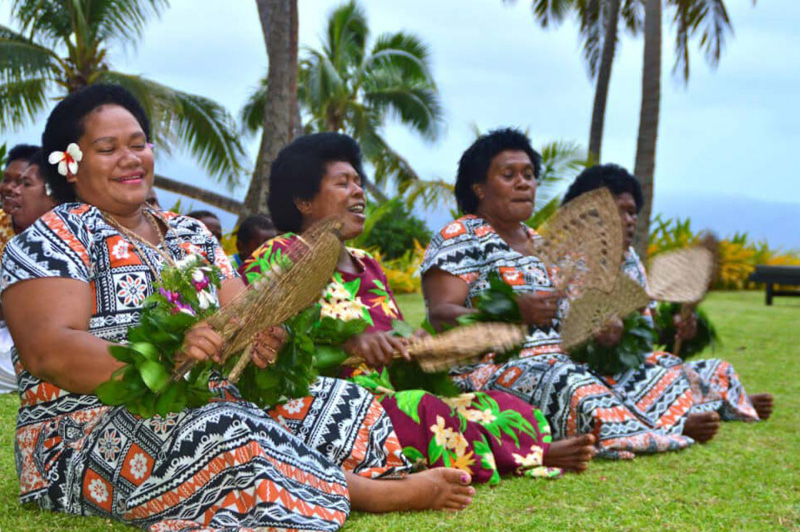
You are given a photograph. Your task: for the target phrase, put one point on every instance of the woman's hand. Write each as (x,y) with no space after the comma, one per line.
(267,344)
(539,309)
(376,349)
(611,335)
(201,343)
(685,329)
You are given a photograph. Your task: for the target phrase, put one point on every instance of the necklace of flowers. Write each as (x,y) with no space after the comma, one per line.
(136,240)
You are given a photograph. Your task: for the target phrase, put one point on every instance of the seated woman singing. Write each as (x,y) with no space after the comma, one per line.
(496,189)
(717,391)
(88,265)
(484,433)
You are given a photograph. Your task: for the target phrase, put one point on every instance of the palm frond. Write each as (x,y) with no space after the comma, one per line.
(22,101)
(401,51)
(251,116)
(122,20)
(416,105)
(46,21)
(548,12)
(346,38)
(710,19)
(21,58)
(201,125)
(561,161)
(430,193)
(388,163)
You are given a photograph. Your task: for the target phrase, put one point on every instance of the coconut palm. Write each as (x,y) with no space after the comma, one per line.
(63,45)
(350,86)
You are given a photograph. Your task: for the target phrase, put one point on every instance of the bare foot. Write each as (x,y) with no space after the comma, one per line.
(572,454)
(763,404)
(702,427)
(441,488)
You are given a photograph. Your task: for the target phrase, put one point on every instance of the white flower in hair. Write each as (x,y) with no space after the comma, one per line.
(67,161)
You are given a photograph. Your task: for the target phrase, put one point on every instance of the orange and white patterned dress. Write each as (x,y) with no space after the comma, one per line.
(226,466)
(641,411)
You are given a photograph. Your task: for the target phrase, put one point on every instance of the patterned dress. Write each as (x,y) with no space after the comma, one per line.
(484,433)
(227,466)
(715,384)
(641,411)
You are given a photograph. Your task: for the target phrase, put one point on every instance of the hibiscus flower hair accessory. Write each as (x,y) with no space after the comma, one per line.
(68,160)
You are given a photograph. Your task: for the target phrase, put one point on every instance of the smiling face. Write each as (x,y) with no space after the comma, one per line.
(29,200)
(509,191)
(628,213)
(340,193)
(11,180)
(116,172)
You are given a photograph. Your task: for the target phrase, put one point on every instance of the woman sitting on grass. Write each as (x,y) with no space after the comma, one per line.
(25,198)
(496,189)
(717,391)
(484,433)
(87,266)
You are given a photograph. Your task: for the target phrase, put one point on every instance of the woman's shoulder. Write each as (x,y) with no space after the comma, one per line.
(65,221)
(466,227)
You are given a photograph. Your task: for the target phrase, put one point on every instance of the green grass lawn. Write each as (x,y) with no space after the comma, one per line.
(748,478)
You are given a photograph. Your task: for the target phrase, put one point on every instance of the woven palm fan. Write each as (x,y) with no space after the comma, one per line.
(583,242)
(445,350)
(683,276)
(289,287)
(589,313)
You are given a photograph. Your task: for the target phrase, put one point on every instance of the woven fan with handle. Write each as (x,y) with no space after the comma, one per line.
(589,313)
(292,285)
(445,350)
(583,242)
(683,276)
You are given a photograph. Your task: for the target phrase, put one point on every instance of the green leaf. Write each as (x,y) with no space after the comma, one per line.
(402,328)
(414,456)
(408,402)
(328,356)
(435,451)
(154,375)
(173,399)
(147,349)
(124,353)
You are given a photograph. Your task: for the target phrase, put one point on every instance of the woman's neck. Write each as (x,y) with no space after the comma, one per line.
(346,262)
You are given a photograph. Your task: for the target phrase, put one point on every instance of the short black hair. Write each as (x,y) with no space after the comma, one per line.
(474,164)
(247,229)
(201,214)
(612,176)
(297,172)
(21,152)
(65,125)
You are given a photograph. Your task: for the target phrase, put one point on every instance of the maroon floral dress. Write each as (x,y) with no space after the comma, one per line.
(486,434)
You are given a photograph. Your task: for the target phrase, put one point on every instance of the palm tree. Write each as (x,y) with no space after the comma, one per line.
(706,19)
(346,87)
(63,45)
(274,111)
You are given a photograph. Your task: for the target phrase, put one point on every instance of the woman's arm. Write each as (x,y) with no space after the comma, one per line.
(445,297)
(49,321)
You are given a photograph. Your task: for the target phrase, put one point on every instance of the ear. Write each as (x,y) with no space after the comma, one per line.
(477,189)
(71,178)
(304,206)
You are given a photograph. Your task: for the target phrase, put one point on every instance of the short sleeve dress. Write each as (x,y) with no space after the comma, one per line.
(634,413)
(226,466)
(486,433)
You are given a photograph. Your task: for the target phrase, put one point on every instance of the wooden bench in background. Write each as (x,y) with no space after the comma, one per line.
(777,275)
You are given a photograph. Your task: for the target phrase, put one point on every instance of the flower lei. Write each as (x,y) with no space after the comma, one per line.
(67,160)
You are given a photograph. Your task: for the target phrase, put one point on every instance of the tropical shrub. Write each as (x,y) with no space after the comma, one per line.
(403,272)
(395,233)
(737,257)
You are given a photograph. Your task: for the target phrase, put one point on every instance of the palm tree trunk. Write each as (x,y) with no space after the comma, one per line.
(206,196)
(603,79)
(276,24)
(645,165)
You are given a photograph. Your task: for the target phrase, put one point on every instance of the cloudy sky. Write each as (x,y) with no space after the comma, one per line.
(727,140)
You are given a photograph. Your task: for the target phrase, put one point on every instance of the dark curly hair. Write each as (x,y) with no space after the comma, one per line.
(66,125)
(617,179)
(249,226)
(474,164)
(297,172)
(21,152)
